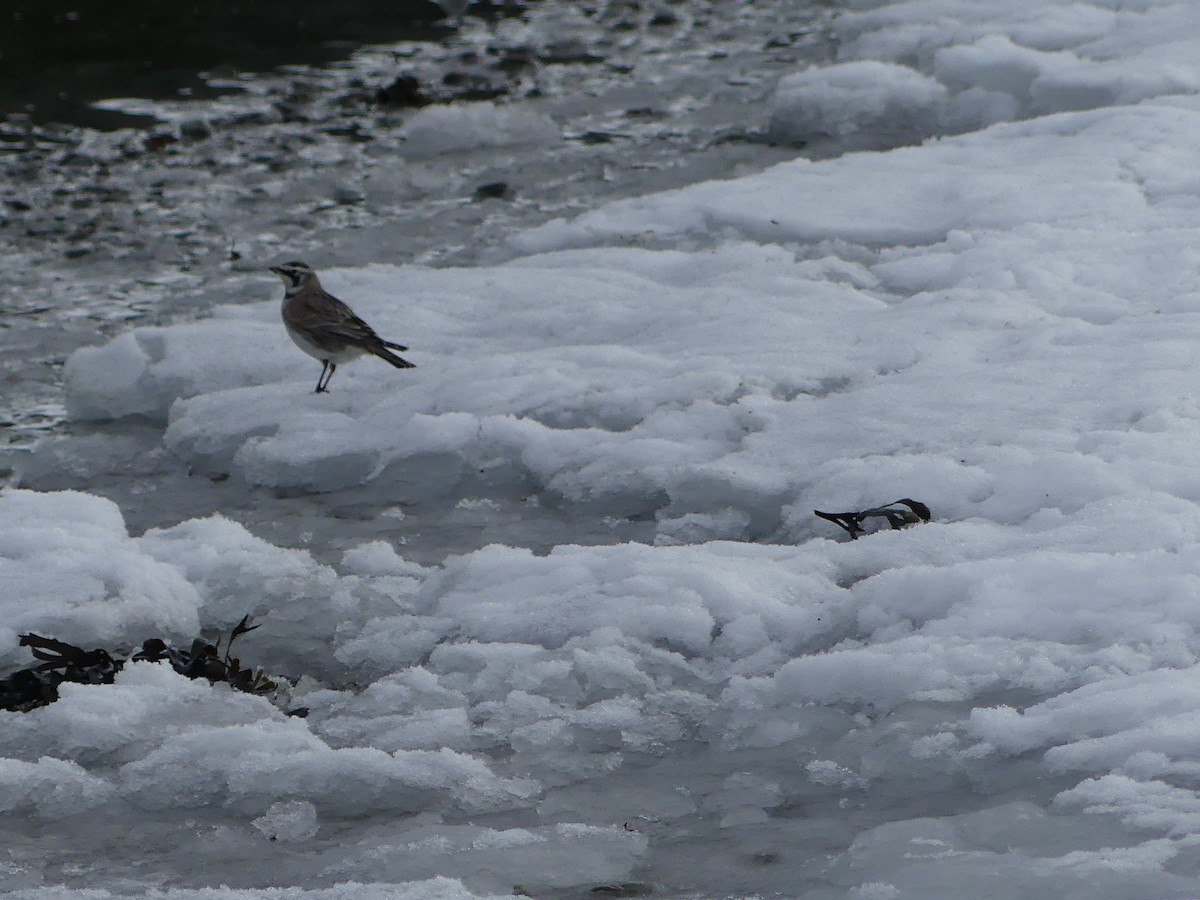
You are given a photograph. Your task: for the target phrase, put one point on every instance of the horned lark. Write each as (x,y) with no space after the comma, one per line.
(326,328)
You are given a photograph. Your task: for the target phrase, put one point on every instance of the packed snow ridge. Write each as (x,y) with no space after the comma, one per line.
(1005,702)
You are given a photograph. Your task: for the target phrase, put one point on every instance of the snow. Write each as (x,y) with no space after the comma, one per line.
(1001,322)
(68,566)
(142,371)
(862,105)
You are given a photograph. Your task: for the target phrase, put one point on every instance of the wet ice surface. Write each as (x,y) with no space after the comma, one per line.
(556,599)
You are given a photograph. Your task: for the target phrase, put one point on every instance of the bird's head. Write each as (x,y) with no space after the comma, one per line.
(294,274)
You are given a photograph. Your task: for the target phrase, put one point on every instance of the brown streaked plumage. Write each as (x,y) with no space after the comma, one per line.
(326,328)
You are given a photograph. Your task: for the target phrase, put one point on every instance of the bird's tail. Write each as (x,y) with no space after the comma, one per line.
(392,346)
(383,352)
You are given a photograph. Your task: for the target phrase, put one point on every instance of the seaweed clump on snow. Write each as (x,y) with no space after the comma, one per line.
(61,662)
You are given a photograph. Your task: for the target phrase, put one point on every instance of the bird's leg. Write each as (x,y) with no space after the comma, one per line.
(332,369)
(321,389)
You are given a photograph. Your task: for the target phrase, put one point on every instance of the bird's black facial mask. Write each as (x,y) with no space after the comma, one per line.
(287,272)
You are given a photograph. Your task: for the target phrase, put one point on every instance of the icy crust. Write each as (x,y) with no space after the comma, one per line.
(545,721)
(910,70)
(141,372)
(1000,703)
(68,566)
(157,742)
(194,773)
(976,355)
(71,571)
(1062,178)
(526,380)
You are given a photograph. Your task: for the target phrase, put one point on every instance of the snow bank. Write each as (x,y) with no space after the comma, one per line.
(1002,324)
(69,570)
(571,684)
(166,744)
(864,105)
(910,70)
(1069,177)
(141,372)
(959,329)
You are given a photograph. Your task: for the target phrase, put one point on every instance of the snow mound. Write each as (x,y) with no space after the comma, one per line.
(1064,174)
(862,105)
(70,571)
(140,372)
(161,746)
(907,71)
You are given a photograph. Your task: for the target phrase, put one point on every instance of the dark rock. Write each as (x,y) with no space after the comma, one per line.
(473,86)
(195,129)
(493,190)
(354,131)
(515,60)
(599,137)
(346,194)
(293,113)
(625,889)
(569,51)
(405,91)
(157,140)
(254,117)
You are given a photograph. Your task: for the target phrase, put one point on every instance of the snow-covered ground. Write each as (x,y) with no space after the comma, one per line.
(994,309)
(104,231)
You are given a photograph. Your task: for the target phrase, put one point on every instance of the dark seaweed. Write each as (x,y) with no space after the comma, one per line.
(62,662)
(852,522)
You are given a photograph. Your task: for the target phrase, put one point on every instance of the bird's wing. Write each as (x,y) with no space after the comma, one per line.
(330,324)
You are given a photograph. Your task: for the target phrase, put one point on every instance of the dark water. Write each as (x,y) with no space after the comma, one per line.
(58,56)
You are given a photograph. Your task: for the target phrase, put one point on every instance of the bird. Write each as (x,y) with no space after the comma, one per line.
(326,328)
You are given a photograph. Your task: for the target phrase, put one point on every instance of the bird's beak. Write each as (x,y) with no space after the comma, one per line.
(275,269)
